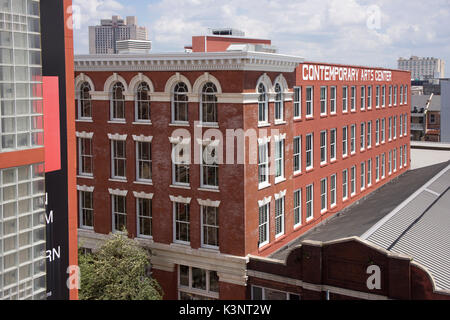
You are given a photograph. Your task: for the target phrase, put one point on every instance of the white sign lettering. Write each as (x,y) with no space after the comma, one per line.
(313,72)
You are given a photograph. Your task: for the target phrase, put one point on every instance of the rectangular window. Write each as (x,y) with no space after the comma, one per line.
(197,284)
(353,180)
(344,141)
(405,123)
(377,97)
(390,95)
(119,213)
(395,95)
(297,102)
(144,161)
(261,293)
(323,147)
(210,227)
(383,96)
(383,130)
(182,222)
(395,159)
(279,217)
(363,97)
(383,165)
(363,175)
(263,163)
(209,167)
(369,172)
(390,129)
(344,184)
(144,217)
(323,101)
(323,195)
(353,99)
(332,190)
(363,136)
(369,134)
(309,151)
(309,202)
(297,208)
(405,100)
(377,132)
(180,165)
(86,209)
(395,127)
(344,99)
(279,160)
(119,159)
(377,168)
(309,102)
(405,163)
(332,100)
(369,97)
(297,154)
(401,95)
(352,139)
(263,225)
(332,144)
(401,157)
(85,157)
(390,162)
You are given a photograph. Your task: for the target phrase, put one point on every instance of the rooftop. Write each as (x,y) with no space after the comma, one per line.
(414,220)
(420,101)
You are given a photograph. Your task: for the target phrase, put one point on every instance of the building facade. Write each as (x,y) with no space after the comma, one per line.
(422,68)
(206,158)
(103,38)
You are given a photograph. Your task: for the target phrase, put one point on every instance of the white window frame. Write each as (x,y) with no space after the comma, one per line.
(401,95)
(279,103)
(352,181)
(363,136)
(138,105)
(369,134)
(377,168)
(82,208)
(81,156)
(333,139)
(377,132)
(401,157)
(279,217)
(344,142)
(279,161)
(390,162)
(310,109)
(139,216)
(369,97)
(263,104)
(394,160)
(114,158)
(333,193)
(333,95)
(263,149)
(323,195)
(207,293)
(383,130)
(369,172)
(323,147)
(395,128)
(344,184)
(175,222)
(203,225)
(310,202)
(114,212)
(204,166)
(383,96)
(363,176)
(352,139)
(297,103)
(298,208)
(383,166)
(390,129)
(138,160)
(395,95)
(377,97)
(390,96)
(353,99)
(345,99)
(174,168)
(266,223)
(297,156)
(309,136)
(363,98)
(323,100)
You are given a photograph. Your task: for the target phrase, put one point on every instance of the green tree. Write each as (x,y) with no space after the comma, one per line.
(119,270)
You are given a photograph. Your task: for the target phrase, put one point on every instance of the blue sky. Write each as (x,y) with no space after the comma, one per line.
(372,33)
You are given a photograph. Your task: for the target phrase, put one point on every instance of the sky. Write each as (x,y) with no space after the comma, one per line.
(357,32)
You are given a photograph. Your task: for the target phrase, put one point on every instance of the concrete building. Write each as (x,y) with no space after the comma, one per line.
(445,111)
(426,118)
(422,68)
(320,138)
(104,37)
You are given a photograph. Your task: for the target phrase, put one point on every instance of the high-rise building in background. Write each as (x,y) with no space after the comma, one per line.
(109,37)
(423,68)
(34,179)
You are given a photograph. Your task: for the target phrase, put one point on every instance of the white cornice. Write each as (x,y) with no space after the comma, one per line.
(200,61)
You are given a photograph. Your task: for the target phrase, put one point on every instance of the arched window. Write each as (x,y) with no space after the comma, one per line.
(84,101)
(142,107)
(279,112)
(208,108)
(180,103)
(263,110)
(118,102)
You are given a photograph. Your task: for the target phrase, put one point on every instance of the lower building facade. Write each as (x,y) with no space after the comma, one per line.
(206,158)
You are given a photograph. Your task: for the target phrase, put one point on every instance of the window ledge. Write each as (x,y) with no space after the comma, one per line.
(84,120)
(180,187)
(279,180)
(309,117)
(263,124)
(147,183)
(309,219)
(117,121)
(297,226)
(297,119)
(208,189)
(280,122)
(309,169)
(85,177)
(179,124)
(181,244)
(207,125)
(298,173)
(209,249)
(262,186)
(148,123)
(118,180)
(323,211)
(144,238)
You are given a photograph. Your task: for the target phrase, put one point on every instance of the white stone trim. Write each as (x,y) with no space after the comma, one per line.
(85,188)
(81,78)
(180,199)
(177,77)
(208,203)
(142,138)
(281,80)
(179,140)
(264,140)
(137,79)
(280,194)
(265,201)
(117,136)
(113,79)
(118,192)
(266,82)
(143,195)
(204,78)
(280,137)
(84,134)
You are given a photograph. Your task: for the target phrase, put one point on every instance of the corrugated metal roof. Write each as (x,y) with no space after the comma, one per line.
(420,228)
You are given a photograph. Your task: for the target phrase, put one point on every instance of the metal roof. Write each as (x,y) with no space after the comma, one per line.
(420,228)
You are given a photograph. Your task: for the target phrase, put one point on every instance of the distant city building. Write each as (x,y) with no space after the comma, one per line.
(445,110)
(425,117)
(423,68)
(104,37)
(133,46)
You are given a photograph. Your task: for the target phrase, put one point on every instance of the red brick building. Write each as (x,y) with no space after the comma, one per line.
(320,137)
